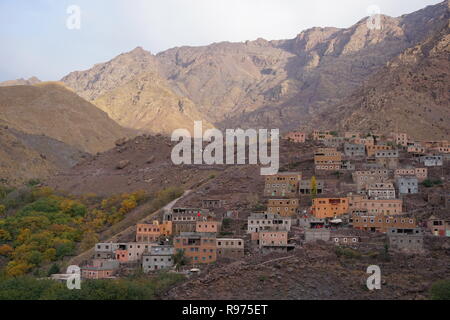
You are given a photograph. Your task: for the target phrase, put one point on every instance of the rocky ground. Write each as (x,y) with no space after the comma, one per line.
(316,272)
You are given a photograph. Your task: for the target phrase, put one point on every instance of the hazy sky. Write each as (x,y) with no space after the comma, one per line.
(35,41)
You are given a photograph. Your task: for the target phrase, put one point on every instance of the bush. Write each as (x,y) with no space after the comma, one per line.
(428,183)
(440,290)
(53,270)
(139,288)
(347,253)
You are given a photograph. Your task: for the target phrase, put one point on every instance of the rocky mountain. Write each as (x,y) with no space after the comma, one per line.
(411,94)
(26,156)
(52,110)
(131,91)
(20,82)
(147,103)
(284,83)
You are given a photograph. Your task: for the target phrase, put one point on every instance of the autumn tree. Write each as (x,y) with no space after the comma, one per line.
(313,187)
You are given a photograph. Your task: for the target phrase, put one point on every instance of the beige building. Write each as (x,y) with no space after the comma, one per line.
(284,184)
(387,159)
(372,149)
(378,207)
(328,159)
(381,190)
(283,207)
(382,223)
(230,248)
(366,177)
(420,173)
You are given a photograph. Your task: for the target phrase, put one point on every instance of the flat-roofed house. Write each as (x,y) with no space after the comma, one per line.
(283,184)
(283,207)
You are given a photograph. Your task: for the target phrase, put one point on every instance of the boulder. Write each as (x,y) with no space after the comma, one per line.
(123,164)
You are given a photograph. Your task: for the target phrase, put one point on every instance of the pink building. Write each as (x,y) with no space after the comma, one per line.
(273,238)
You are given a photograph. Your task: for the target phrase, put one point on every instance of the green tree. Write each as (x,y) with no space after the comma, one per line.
(53,269)
(179,259)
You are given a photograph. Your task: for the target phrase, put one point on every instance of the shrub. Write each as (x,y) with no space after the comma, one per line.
(440,290)
(347,253)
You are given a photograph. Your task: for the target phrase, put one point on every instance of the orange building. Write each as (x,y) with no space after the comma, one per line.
(208,226)
(382,223)
(122,255)
(198,247)
(283,207)
(329,207)
(151,232)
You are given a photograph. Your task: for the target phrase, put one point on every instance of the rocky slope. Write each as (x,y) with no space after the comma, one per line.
(141,163)
(25,156)
(260,83)
(147,103)
(410,94)
(51,109)
(315,272)
(131,91)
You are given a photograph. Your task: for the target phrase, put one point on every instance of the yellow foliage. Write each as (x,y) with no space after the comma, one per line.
(16,269)
(128,204)
(42,192)
(5,235)
(6,250)
(67,204)
(50,254)
(24,235)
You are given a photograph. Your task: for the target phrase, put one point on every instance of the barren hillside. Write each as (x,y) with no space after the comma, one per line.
(51,109)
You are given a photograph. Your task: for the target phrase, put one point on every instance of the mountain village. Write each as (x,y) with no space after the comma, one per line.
(374,205)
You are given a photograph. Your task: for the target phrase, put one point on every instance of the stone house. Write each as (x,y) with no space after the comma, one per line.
(432,161)
(387,159)
(257,222)
(230,248)
(354,150)
(305,186)
(408,240)
(381,190)
(158,258)
(407,185)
